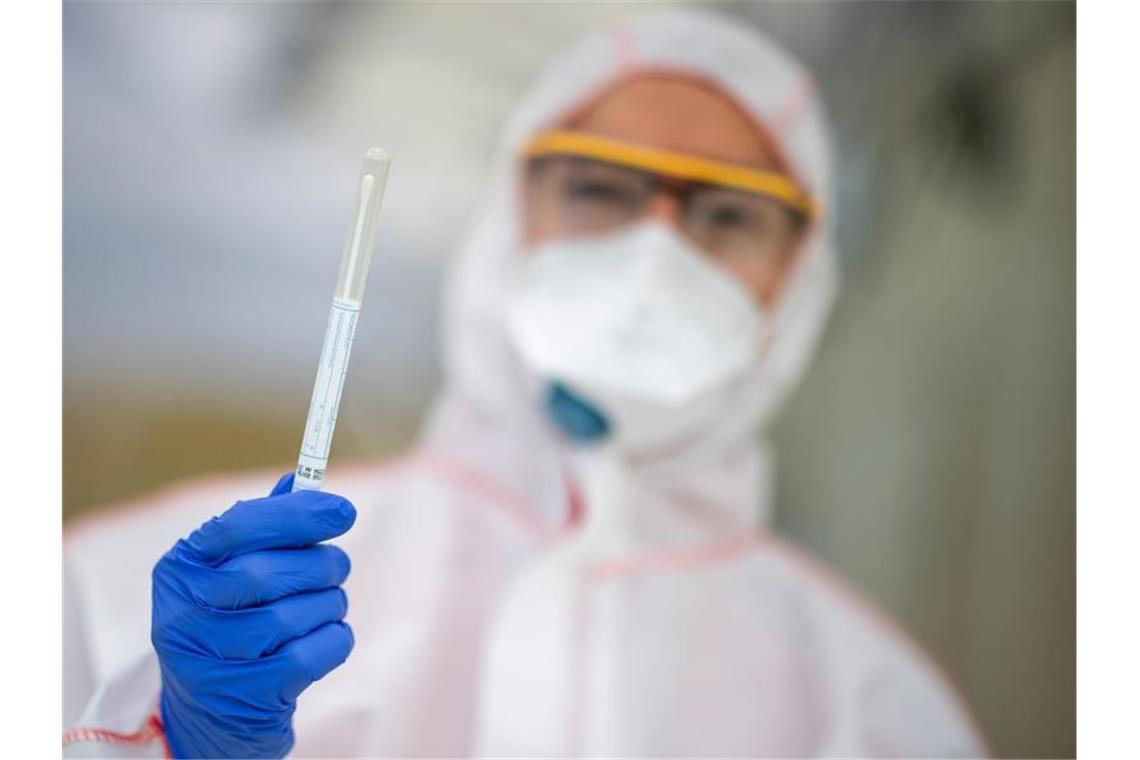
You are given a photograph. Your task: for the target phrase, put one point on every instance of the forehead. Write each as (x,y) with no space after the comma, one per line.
(678,114)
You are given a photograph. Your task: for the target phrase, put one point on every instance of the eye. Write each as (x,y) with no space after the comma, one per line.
(599,195)
(730,211)
(728,217)
(594,190)
(731,216)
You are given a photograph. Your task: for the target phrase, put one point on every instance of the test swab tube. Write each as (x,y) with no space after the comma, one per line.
(349,293)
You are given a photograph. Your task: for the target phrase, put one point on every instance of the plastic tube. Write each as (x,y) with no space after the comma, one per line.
(333,367)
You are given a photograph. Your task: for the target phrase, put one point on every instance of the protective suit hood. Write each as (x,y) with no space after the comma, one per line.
(486,394)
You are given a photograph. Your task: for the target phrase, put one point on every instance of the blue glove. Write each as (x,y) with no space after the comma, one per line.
(247,613)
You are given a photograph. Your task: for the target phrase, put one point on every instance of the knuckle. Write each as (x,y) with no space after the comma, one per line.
(299,660)
(208,533)
(167,568)
(279,616)
(226,588)
(256,570)
(160,569)
(236,509)
(216,526)
(223,528)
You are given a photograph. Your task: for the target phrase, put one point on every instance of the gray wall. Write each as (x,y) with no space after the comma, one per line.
(931,454)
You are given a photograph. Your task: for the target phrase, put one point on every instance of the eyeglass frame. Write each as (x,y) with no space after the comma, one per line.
(676,165)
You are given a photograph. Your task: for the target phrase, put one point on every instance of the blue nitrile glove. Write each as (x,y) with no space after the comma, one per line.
(246,614)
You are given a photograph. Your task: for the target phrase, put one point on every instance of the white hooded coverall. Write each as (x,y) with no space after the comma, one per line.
(509,596)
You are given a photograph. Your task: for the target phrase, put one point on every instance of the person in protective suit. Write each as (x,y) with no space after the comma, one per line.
(574,559)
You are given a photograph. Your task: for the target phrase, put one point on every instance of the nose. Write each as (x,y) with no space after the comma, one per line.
(664,206)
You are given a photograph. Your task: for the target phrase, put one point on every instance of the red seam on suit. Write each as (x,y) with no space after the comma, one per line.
(837,587)
(625,45)
(794,105)
(429,460)
(473,482)
(172,495)
(674,559)
(148,733)
(806,566)
(576,507)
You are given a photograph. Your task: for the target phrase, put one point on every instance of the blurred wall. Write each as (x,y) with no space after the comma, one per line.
(931,454)
(209,158)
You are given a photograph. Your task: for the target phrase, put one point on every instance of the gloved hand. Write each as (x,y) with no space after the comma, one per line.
(246,614)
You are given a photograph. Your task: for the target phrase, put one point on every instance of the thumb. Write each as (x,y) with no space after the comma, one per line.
(284,485)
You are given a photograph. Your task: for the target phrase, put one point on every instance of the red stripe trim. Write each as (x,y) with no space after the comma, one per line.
(150,732)
(793,108)
(684,559)
(675,559)
(474,482)
(832,584)
(430,460)
(576,512)
(174,494)
(626,46)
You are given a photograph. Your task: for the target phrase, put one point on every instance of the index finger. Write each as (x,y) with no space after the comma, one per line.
(285,521)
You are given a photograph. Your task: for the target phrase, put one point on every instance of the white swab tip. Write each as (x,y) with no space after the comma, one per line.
(377,154)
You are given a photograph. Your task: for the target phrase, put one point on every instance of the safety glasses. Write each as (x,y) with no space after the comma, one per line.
(776,186)
(588,184)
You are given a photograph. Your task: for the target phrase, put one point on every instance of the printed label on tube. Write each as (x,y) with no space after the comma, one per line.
(326,396)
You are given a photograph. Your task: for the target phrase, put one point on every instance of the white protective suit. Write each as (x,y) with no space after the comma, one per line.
(510,596)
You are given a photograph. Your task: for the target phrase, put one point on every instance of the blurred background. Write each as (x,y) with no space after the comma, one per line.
(210,155)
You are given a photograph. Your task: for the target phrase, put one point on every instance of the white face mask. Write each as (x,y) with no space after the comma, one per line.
(639,323)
